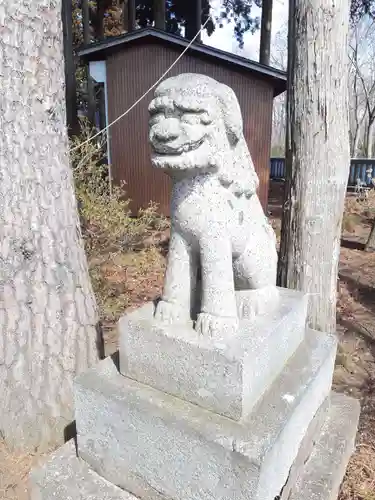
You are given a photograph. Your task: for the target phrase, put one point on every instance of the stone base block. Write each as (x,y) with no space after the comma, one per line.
(227,377)
(305,449)
(158,446)
(67,477)
(323,473)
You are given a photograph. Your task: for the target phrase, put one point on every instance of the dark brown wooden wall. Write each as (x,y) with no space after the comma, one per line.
(130,73)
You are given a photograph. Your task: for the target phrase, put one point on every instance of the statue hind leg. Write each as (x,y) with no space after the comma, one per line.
(255,268)
(255,271)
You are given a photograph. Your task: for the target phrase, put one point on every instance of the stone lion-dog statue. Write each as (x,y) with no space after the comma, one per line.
(217,221)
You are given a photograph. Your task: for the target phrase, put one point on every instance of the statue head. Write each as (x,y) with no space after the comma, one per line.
(196,127)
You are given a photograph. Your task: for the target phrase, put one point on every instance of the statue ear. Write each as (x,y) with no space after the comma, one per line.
(231,113)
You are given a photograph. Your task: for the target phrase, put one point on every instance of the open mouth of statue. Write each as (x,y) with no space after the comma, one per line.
(165,150)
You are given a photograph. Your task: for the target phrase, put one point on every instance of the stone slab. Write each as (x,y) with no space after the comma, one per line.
(156,445)
(227,377)
(305,449)
(325,469)
(67,477)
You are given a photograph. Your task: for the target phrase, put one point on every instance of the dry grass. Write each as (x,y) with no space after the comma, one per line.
(359,483)
(124,281)
(14,471)
(124,252)
(364,207)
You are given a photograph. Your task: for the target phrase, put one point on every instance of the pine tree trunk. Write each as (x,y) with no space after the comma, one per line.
(159,14)
(318,155)
(100,11)
(131,15)
(125,16)
(48,313)
(265,32)
(193,23)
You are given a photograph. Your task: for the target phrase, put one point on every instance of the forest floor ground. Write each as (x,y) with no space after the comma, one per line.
(124,280)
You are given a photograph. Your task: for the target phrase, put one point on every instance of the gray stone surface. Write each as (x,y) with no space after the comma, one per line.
(306,447)
(67,477)
(326,466)
(227,377)
(155,445)
(218,223)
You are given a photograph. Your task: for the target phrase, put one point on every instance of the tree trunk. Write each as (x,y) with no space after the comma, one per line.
(159,14)
(125,22)
(370,137)
(48,314)
(317,154)
(91,104)
(100,11)
(86,22)
(70,70)
(131,15)
(193,24)
(355,141)
(265,32)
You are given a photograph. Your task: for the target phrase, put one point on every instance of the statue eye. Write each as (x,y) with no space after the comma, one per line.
(205,119)
(190,118)
(156,119)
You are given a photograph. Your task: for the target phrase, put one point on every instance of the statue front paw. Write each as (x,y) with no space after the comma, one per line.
(216,326)
(168,312)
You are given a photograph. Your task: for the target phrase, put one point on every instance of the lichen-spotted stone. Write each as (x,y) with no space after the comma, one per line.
(217,220)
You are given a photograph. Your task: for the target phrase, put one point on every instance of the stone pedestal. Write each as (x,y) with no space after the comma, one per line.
(186,417)
(226,376)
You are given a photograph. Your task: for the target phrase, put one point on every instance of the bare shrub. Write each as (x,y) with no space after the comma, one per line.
(104,209)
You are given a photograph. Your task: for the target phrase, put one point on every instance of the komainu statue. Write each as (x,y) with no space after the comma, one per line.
(218,224)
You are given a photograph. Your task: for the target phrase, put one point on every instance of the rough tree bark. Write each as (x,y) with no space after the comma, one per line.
(48,313)
(265,32)
(317,154)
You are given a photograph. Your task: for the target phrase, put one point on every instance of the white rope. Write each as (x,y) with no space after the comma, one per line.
(144,95)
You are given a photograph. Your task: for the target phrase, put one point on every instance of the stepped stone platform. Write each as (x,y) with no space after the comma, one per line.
(290,439)
(321,475)
(251,457)
(67,477)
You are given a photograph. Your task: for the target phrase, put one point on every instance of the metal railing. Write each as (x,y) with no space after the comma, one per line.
(360,168)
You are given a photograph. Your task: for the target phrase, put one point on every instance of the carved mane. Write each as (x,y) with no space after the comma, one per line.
(239,171)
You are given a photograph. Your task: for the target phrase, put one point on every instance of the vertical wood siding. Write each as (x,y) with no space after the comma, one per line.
(130,73)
